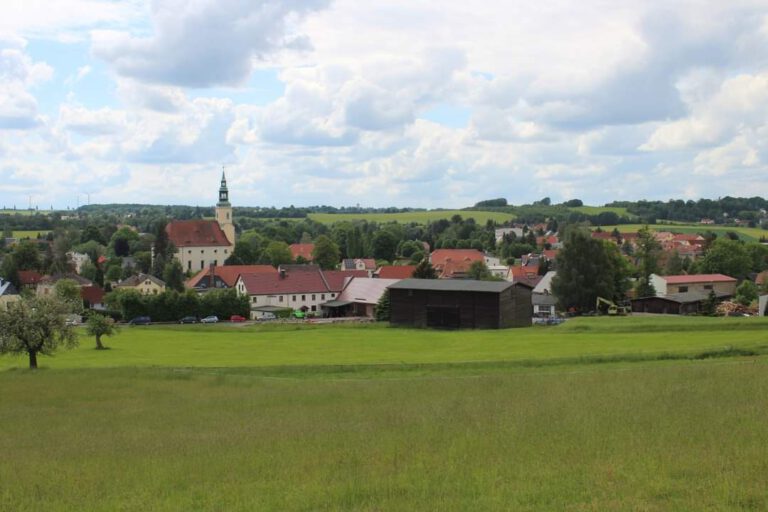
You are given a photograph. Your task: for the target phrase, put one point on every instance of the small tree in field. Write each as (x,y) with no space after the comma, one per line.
(36,325)
(100,325)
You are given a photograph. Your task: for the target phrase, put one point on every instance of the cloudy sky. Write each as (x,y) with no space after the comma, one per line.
(402,102)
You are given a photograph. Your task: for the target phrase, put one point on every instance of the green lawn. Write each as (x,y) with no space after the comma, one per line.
(304,344)
(748,234)
(417,217)
(596,414)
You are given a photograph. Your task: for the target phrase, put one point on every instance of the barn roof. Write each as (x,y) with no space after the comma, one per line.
(455,285)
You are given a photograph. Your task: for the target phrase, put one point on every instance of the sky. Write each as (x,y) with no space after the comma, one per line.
(396,103)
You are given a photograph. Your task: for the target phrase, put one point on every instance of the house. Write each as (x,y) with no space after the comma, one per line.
(29,279)
(297,287)
(46,285)
(544,302)
(93,297)
(8,294)
(458,304)
(368,264)
(359,297)
(224,276)
(336,280)
(501,232)
(200,243)
(395,271)
(143,283)
(303,251)
(78,260)
(761,279)
(722,285)
(454,263)
(528,274)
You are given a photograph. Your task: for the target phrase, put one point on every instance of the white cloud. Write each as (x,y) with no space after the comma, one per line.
(18,75)
(205,42)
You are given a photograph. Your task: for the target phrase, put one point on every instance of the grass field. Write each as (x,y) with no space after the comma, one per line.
(596,414)
(29,234)
(24,212)
(594,210)
(417,217)
(748,234)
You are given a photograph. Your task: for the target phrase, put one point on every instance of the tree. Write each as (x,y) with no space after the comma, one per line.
(746,293)
(727,257)
(479,270)
(35,325)
(68,292)
(424,270)
(648,249)
(277,253)
(326,253)
(674,264)
(588,268)
(243,254)
(383,308)
(26,256)
(384,245)
(100,325)
(173,275)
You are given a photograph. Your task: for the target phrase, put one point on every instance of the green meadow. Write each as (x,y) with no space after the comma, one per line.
(594,210)
(636,413)
(421,217)
(29,234)
(747,234)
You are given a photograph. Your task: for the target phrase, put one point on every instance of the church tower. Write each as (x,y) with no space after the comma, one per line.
(224,211)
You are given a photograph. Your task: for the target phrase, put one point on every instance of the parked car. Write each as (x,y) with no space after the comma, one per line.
(188,320)
(237,318)
(268,316)
(209,319)
(140,320)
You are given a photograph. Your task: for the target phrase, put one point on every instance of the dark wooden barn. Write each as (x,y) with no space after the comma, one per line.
(460,304)
(688,303)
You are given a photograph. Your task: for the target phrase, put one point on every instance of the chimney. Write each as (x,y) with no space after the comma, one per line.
(282,273)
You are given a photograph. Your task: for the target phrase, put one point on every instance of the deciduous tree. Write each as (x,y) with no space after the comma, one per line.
(326,253)
(100,325)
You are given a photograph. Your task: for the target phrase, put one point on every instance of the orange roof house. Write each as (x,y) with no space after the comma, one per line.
(303,250)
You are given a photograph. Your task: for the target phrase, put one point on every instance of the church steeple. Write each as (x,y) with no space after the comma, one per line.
(223,192)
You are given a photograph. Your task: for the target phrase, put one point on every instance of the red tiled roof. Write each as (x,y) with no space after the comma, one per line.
(685,237)
(196,233)
(550,254)
(441,256)
(296,282)
(337,278)
(303,250)
(602,235)
(229,273)
(524,272)
(93,294)
(396,271)
(699,278)
(29,277)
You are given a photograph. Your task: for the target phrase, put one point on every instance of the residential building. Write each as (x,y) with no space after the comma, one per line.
(297,287)
(454,263)
(220,276)
(29,279)
(395,271)
(8,294)
(77,260)
(456,304)
(145,284)
(367,264)
(200,243)
(46,285)
(303,251)
(722,285)
(359,297)
(500,232)
(93,297)
(544,302)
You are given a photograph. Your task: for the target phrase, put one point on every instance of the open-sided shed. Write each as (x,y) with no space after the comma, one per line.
(460,304)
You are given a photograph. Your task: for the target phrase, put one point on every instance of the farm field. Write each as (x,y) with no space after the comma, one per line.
(24,212)
(281,417)
(747,234)
(418,217)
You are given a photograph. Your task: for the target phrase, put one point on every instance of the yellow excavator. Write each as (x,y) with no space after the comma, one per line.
(612,308)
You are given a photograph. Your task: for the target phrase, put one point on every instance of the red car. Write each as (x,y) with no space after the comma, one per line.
(236,318)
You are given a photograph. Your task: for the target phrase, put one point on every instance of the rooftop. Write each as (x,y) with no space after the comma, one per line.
(455,285)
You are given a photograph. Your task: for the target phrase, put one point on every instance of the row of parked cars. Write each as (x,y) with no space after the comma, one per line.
(213,319)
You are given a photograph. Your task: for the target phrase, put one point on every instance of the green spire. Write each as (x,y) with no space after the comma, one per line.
(223,192)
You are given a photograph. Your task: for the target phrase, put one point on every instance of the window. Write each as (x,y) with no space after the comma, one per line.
(322,297)
(202,251)
(189,265)
(202,264)
(313,298)
(303,297)
(708,287)
(225,251)
(682,289)
(215,251)
(189,251)
(294,298)
(314,308)
(254,300)
(281,298)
